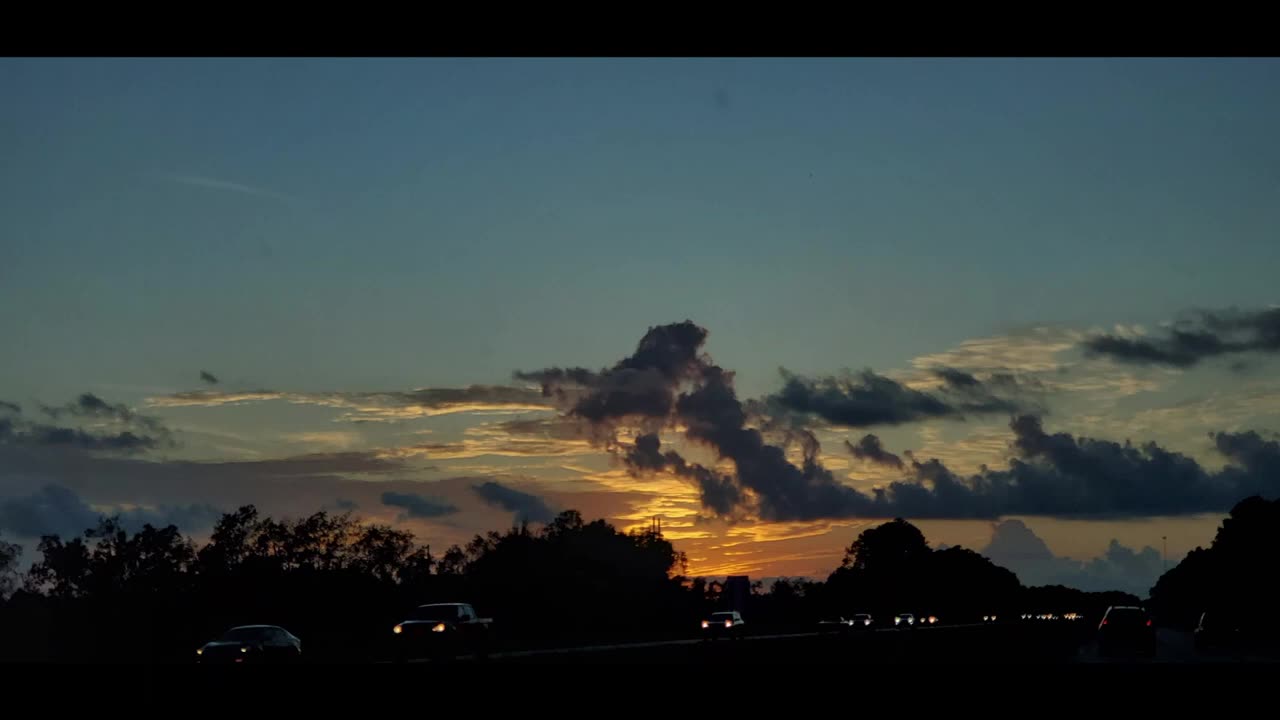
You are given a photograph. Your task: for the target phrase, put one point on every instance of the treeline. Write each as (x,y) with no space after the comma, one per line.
(1237,575)
(341,584)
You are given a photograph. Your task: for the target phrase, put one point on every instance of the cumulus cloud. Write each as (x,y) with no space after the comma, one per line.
(378,406)
(57,510)
(208,377)
(526,506)
(1196,337)
(870,449)
(1014,546)
(418,506)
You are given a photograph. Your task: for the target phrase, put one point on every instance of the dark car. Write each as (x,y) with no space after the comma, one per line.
(1126,629)
(440,631)
(1219,630)
(728,623)
(252,644)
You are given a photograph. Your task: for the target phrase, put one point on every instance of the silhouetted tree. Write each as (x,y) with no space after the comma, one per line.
(9,555)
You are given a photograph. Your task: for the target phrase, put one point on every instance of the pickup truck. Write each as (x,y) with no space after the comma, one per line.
(441,631)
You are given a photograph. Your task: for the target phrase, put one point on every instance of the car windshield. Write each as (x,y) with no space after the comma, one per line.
(247,634)
(435,612)
(1127,616)
(722,616)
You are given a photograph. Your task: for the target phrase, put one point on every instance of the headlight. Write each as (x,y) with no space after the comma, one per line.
(728,623)
(397,629)
(897,621)
(438,628)
(993,618)
(866,622)
(705,624)
(244,649)
(199,651)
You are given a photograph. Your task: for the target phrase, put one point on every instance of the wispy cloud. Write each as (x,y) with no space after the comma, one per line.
(216,184)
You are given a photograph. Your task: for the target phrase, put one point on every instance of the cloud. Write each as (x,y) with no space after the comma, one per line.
(6,406)
(870,449)
(216,184)
(208,377)
(669,382)
(1064,476)
(1198,336)
(57,510)
(132,432)
(344,504)
(417,506)
(378,406)
(866,398)
(527,507)
(1014,546)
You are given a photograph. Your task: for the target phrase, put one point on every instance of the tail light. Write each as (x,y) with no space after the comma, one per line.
(1104,621)
(1148,623)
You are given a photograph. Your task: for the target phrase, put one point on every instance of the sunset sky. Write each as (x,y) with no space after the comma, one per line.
(336,284)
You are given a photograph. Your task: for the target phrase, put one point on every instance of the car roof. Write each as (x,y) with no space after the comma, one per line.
(441,604)
(257,627)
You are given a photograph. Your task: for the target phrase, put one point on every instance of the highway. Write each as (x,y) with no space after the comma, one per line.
(1011,643)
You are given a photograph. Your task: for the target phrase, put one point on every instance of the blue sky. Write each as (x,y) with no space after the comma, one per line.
(386,224)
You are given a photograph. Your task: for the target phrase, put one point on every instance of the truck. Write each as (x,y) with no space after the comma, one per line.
(441,631)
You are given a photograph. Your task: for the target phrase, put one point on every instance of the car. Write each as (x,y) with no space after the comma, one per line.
(904,620)
(252,644)
(842,624)
(1126,628)
(440,631)
(727,623)
(1219,630)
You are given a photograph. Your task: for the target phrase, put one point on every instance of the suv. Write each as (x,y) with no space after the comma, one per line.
(1126,627)
(727,622)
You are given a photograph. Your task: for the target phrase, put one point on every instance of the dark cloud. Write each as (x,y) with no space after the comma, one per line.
(57,510)
(1053,474)
(668,381)
(1014,546)
(865,399)
(344,504)
(417,506)
(719,493)
(208,377)
(642,385)
(43,435)
(1061,475)
(527,507)
(7,406)
(132,432)
(869,448)
(1198,336)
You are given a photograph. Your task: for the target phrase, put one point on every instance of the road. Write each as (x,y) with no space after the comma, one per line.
(1000,644)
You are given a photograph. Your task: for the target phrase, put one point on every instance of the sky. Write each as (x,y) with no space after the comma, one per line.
(308,283)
